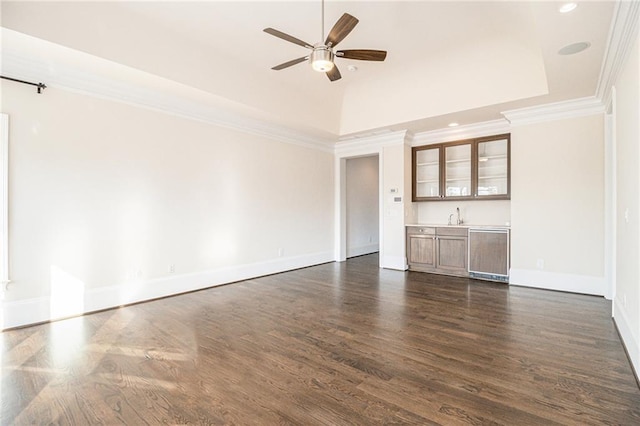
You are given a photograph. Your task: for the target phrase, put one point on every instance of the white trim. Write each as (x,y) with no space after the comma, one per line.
(555,111)
(624,25)
(398,263)
(381,247)
(4,203)
(207,108)
(359,148)
(485,128)
(362,250)
(370,144)
(30,311)
(340,212)
(629,339)
(572,283)
(610,200)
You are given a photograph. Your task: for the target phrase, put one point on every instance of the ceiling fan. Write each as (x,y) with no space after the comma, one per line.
(322,55)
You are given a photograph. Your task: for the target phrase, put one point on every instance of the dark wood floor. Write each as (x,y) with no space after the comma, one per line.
(334,344)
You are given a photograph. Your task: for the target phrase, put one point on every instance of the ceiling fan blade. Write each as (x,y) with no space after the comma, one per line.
(290,63)
(363,54)
(334,73)
(341,29)
(288,38)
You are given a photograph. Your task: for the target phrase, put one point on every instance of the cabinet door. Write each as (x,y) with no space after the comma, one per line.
(452,253)
(422,250)
(457,170)
(426,171)
(493,168)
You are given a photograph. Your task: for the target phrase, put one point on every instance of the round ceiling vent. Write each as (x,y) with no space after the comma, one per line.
(574,48)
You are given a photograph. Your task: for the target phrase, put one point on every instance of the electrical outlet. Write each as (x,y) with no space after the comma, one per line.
(172,268)
(540,263)
(139,273)
(280,252)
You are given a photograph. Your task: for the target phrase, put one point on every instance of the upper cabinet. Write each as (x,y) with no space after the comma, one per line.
(473,169)
(426,173)
(494,157)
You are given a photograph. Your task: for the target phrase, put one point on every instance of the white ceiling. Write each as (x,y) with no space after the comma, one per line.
(448,61)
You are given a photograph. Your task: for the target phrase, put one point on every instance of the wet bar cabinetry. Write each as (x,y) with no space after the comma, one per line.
(480,252)
(472,169)
(441,250)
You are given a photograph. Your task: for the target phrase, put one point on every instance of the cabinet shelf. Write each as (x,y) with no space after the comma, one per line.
(430,163)
(483,158)
(428,181)
(464,160)
(493,177)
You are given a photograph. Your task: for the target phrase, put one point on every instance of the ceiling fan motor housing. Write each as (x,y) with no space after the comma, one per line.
(321,58)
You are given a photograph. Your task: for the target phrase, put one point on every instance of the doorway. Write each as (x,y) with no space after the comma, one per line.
(362,205)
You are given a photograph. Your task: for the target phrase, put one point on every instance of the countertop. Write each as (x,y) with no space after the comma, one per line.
(464,225)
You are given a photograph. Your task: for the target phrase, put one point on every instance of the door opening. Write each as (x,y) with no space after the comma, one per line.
(362,205)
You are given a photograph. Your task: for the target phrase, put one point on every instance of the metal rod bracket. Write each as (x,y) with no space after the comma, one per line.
(39,86)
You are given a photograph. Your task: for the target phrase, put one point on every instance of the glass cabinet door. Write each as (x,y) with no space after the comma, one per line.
(458,171)
(470,169)
(427,170)
(493,168)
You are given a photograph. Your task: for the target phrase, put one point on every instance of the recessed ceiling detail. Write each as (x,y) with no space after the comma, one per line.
(432,77)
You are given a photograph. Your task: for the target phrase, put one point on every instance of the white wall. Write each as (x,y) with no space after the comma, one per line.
(627,268)
(363,205)
(393,225)
(105,197)
(497,212)
(557,205)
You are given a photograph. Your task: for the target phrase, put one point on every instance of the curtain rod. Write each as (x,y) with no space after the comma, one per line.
(40,86)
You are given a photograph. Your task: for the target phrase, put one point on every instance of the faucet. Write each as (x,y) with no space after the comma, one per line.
(459,220)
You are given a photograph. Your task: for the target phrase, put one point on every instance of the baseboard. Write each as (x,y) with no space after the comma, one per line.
(629,340)
(572,283)
(25,312)
(362,250)
(394,262)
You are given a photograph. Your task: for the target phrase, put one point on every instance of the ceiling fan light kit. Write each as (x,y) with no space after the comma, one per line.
(322,56)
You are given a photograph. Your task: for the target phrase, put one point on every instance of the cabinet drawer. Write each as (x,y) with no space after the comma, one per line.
(455,232)
(420,230)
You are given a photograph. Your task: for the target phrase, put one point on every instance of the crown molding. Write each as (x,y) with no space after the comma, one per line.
(204,107)
(370,144)
(475,130)
(624,27)
(555,111)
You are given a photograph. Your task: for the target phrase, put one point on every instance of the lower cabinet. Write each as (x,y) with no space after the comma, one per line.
(441,250)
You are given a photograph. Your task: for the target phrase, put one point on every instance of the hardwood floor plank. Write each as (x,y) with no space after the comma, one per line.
(341,344)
